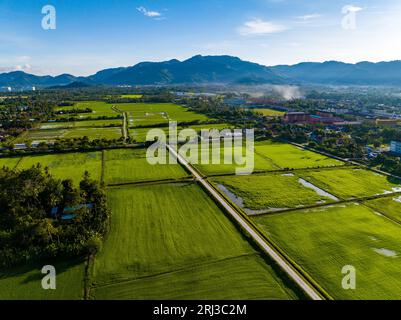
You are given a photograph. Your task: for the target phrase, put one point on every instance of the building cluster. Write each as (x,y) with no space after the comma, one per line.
(321,117)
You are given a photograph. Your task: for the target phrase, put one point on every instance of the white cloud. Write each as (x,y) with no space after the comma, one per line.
(25,67)
(148,13)
(258,27)
(309,16)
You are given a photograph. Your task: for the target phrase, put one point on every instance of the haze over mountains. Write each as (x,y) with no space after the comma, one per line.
(226,70)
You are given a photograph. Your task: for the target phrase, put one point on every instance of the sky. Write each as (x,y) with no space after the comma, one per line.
(91,35)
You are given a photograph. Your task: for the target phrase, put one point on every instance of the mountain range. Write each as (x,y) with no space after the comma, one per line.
(228,70)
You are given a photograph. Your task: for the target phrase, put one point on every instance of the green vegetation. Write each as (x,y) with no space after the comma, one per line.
(131,165)
(131,96)
(174,232)
(34,223)
(388,206)
(86,123)
(67,165)
(24,283)
(269,112)
(223,167)
(150,114)
(99,109)
(270,191)
(9,162)
(324,240)
(289,156)
(350,183)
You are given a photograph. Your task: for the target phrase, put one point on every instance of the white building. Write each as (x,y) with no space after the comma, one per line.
(395,147)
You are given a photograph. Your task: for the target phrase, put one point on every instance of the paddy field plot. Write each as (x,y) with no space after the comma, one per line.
(9,162)
(67,165)
(131,165)
(99,109)
(270,112)
(347,183)
(322,241)
(217,164)
(146,114)
(25,283)
(288,156)
(84,123)
(108,133)
(171,241)
(131,96)
(268,191)
(389,206)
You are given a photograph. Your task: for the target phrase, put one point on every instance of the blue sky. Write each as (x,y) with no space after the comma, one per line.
(91,35)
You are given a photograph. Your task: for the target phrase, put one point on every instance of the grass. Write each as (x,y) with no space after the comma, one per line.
(85,123)
(323,241)
(70,133)
(171,241)
(270,191)
(350,183)
(99,109)
(9,162)
(288,156)
(94,133)
(131,165)
(131,96)
(67,165)
(389,206)
(146,114)
(223,167)
(24,283)
(270,112)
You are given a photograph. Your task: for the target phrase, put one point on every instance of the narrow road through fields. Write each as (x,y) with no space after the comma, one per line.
(306,287)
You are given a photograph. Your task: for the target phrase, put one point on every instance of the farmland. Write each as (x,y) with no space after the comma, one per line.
(349,183)
(9,162)
(91,132)
(270,191)
(217,165)
(85,123)
(175,233)
(146,114)
(130,165)
(389,206)
(292,157)
(67,165)
(24,283)
(336,236)
(270,112)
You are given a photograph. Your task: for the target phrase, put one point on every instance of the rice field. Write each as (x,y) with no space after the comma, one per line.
(322,241)
(347,183)
(287,156)
(147,114)
(92,133)
(270,112)
(67,165)
(268,191)
(215,161)
(84,123)
(388,206)
(172,242)
(99,109)
(25,283)
(131,165)
(9,162)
